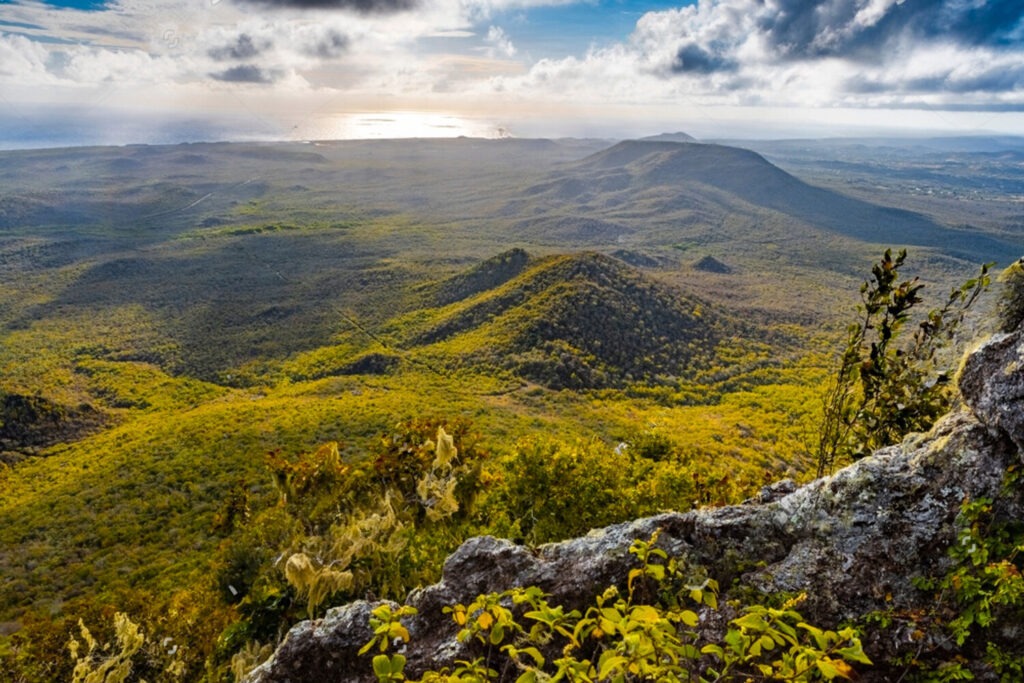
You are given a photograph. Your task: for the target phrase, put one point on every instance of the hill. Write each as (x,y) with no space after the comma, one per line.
(578,321)
(492,273)
(663,171)
(678,136)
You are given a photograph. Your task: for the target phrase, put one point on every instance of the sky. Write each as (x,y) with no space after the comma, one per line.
(124,71)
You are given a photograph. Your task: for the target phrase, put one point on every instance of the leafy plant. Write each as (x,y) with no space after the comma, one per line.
(622,637)
(387,630)
(106,663)
(982,591)
(884,389)
(315,581)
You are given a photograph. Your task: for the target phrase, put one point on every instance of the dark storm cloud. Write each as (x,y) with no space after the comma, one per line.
(242,48)
(994,23)
(799,29)
(859,30)
(996,80)
(991,82)
(243,73)
(361,6)
(692,58)
(329,46)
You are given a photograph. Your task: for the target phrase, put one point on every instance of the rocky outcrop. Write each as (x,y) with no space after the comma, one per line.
(852,541)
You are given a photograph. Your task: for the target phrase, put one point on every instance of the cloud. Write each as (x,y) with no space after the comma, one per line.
(692,58)
(718,34)
(22,59)
(500,45)
(244,73)
(324,43)
(242,48)
(953,55)
(360,6)
(869,54)
(945,70)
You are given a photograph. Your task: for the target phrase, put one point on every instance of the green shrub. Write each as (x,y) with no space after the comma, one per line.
(519,635)
(884,389)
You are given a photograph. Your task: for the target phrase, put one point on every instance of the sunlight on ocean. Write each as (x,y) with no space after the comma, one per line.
(398,124)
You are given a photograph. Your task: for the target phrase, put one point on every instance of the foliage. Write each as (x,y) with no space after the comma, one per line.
(519,635)
(315,582)
(589,484)
(110,663)
(980,595)
(294,479)
(249,657)
(203,339)
(882,389)
(380,521)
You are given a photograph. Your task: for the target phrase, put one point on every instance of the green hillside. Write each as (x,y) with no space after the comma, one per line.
(581,322)
(184,328)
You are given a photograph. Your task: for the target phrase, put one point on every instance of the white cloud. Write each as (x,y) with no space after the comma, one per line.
(745,52)
(500,44)
(448,53)
(22,59)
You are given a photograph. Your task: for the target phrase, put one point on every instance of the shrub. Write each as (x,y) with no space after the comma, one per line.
(519,635)
(883,389)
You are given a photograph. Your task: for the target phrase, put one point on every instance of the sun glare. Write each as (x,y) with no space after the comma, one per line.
(403,124)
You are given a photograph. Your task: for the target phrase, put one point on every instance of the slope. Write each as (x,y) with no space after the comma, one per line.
(658,181)
(577,321)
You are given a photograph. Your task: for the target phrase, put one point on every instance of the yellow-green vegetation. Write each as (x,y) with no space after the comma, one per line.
(1011,300)
(978,602)
(134,517)
(91,666)
(177,357)
(647,633)
(216,515)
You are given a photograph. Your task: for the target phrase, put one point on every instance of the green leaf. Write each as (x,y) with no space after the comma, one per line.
(645,614)
(820,637)
(689,618)
(854,653)
(751,622)
(398,631)
(712,649)
(610,662)
(534,653)
(833,668)
(382,667)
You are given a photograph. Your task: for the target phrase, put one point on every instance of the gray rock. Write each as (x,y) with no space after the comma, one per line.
(323,650)
(851,541)
(992,384)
